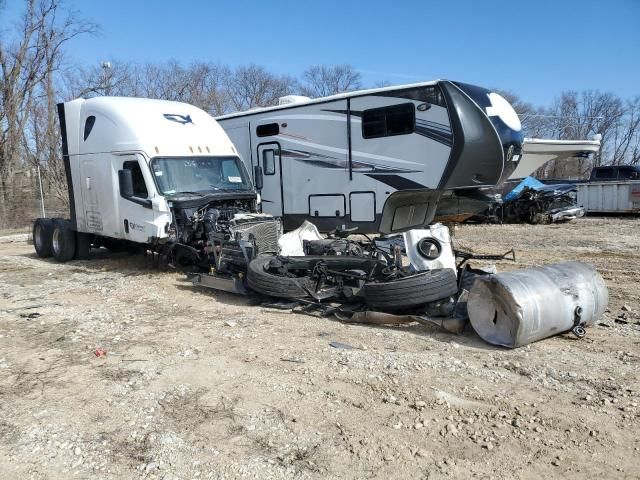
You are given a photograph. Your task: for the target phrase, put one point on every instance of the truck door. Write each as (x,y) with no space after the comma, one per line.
(136,214)
(268,157)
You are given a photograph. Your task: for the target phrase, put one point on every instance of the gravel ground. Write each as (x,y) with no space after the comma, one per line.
(199,384)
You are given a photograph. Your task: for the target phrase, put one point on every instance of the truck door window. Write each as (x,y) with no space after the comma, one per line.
(627,173)
(269,161)
(607,173)
(139,187)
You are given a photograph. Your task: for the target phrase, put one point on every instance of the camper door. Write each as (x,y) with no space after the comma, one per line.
(268,158)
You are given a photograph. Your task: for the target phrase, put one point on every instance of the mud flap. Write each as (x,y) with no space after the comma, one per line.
(226,283)
(409,209)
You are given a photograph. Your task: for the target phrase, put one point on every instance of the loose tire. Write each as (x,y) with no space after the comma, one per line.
(266,283)
(63,240)
(411,291)
(273,285)
(42,236)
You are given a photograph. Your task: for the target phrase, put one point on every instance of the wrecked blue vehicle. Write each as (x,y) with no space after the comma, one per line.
(531,201)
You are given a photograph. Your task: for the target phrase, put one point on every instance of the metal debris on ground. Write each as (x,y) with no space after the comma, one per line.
(414,277)
(340,345)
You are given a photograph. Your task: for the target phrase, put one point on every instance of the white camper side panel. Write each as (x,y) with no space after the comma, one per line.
(238,132)
(324,150)
(415,159)
(314,157)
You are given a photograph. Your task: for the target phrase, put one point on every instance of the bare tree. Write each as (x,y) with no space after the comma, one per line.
(325,80)
(30,55)
(202,84)
(624,141)
(253,86)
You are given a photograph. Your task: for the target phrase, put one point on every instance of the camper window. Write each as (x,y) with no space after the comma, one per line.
(139,187)
(269,161)
(388,121)
(268,130)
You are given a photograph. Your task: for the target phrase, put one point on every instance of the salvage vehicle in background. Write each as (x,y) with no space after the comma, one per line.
(534,202)
(611,189)
(613,173)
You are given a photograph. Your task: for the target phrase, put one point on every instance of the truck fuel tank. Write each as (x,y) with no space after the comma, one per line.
(513,309)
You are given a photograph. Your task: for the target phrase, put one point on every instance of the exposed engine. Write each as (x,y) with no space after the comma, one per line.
(222,235)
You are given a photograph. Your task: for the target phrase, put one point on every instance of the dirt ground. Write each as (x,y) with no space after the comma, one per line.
(199,384)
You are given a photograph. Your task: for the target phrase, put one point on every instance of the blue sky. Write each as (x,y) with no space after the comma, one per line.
(535,49)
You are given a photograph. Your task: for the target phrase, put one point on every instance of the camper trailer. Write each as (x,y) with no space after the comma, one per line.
(337,160)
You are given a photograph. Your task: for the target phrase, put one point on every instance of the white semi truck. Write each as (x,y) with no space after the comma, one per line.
(157,175)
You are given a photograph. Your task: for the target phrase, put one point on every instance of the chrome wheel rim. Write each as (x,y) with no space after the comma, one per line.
(56,240)
(37,237)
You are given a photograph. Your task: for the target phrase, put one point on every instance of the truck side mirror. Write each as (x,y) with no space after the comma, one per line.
(125,182)
(257,177)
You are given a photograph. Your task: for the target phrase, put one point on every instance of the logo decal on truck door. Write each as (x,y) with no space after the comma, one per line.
(183,119)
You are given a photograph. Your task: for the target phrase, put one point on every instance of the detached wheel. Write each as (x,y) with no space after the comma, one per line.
(63,240)
(262,281)
(42,237)
(411,291)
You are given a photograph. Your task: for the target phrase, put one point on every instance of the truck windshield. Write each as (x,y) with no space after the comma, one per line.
(199,174)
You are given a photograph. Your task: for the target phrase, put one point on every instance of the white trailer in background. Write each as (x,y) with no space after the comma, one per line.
(610,197)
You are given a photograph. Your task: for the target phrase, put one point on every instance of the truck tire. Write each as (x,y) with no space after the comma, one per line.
(266,283)
(411,291)
(83,246)
(42,236)
(63,240)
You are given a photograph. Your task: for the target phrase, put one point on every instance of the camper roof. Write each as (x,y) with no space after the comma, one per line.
(357,93)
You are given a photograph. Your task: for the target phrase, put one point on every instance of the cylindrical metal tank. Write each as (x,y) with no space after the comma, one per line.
(516,308)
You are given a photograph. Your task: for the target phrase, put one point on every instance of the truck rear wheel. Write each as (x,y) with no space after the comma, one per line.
(42,236)
(63,240)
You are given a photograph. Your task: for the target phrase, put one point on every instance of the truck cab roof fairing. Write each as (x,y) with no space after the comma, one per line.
(156,127)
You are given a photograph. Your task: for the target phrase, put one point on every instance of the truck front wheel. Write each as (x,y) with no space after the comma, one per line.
(63,240)
(42,236)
